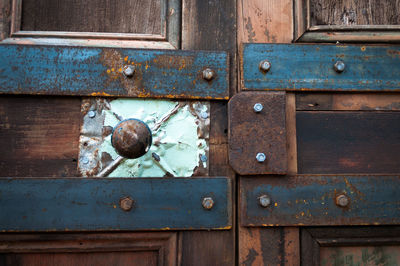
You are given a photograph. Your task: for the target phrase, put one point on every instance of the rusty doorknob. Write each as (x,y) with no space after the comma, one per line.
(131,138)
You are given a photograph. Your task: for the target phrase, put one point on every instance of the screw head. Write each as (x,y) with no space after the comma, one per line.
(208,74)
(207,203)
(91,114)
(126,203)
(85,160)
(342,201)
(339,66)
(258,107)
(264,201)
(261,157)
(129,70)
(265,66)
(204,115)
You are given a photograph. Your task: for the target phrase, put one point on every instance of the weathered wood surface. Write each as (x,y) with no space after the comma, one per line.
(320,245)
(355,12)
(132,16)
(5,18)
(39,136)
(348,142)
(211,25)
(348,102)
(89,249)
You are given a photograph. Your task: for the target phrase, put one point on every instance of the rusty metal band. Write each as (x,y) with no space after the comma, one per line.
(299,67)
(83,204)
(78,71)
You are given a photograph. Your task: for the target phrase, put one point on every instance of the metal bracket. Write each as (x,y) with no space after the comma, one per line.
(257,133)
(82,71)
(339,67)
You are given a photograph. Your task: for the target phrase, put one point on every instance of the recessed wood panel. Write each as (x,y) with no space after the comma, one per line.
(354,12)
(348,142)
(39,136)
(128,16)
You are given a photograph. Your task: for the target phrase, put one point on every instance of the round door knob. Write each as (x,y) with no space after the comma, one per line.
(131,138)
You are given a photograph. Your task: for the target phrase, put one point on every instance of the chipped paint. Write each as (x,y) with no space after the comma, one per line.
(179,140)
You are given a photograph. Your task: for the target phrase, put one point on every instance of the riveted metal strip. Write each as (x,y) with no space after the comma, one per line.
(56,70)
(320,200)
(321,67)
(81,204)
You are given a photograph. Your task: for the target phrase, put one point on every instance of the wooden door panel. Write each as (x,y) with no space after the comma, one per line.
(39,136)
(89,249)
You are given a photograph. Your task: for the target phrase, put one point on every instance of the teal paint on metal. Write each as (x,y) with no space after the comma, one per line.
(82,204)
(297,67)
(57,70)
(312,200)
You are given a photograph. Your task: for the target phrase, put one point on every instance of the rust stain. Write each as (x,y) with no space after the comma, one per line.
(393,53)
(348,162)
(173,61)
(100,94)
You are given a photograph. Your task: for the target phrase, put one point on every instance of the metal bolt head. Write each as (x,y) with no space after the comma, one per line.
(258,107)
(265,66)
(261,157)
(339,66)
(342,201)
(208,74)
(264,201)
(126,203)
(131,138)
(204,115)
(129,70)
(207,203)
(92,114)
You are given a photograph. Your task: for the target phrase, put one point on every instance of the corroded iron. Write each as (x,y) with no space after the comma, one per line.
(126,203)
(257,141)
(318,200)
(131,138)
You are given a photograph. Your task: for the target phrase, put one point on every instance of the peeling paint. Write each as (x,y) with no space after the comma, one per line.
(180,139)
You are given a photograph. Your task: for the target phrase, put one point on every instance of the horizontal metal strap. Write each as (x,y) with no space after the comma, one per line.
(82,71)
(320,200)
(83,204)
(312,67)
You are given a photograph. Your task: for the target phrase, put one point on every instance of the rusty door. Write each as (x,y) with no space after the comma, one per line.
(81,81)
(314,132)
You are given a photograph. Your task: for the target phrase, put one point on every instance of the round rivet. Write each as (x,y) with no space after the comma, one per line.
(129,70)
(342,201)
(126,203)
(84,160)
(207,203)
(204,115)
(208,74)
(258,107)
(131,138)
(91,114)
(261,157)
(265,66)
(264,201)
(339,66)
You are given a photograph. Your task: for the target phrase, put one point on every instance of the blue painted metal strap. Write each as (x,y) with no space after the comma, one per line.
(93,204)
(313,200)
(311,67)
(55,70)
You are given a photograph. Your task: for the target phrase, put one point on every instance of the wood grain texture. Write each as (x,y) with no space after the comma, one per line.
(265,21)
(5,18)
(348,102)
(315,239)
(133,16)
(291,141)
(39,136)
(348,142)
(355,12)
(211,25)
(89,249)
